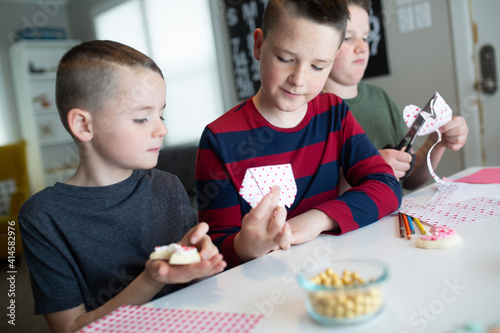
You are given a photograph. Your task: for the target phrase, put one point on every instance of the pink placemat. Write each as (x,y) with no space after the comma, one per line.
(138,319)
(483,176)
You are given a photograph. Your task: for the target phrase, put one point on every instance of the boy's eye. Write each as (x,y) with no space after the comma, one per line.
(286,61)
(140,121)
(316,68)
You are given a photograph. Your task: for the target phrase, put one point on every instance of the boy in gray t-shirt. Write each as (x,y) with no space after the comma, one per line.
(87,241)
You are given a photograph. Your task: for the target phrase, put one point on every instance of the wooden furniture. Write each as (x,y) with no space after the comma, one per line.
(15,190)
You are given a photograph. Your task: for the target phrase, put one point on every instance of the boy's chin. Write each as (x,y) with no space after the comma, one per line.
(146,166)
(287,105)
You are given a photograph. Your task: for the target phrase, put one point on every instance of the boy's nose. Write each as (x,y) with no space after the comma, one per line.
(161,129)
(297,76)
(361,46)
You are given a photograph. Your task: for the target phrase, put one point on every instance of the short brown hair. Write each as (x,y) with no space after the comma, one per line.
(329,12)
(86,75)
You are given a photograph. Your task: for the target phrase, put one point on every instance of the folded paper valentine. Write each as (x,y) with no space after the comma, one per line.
(259,181)
(439,114)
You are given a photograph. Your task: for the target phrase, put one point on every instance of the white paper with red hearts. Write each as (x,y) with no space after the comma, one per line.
(144,319)
(258,182)
(439,115)
(441,210)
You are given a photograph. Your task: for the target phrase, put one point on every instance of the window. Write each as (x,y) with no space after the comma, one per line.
(7,117)
(123,23)
(178,35)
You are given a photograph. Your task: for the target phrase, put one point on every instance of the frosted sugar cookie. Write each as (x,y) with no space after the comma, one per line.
(176,254)
(163,252)
(185,255)
(439,238)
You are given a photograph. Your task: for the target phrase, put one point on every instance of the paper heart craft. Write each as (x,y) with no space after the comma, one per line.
(440,114)
(258,182)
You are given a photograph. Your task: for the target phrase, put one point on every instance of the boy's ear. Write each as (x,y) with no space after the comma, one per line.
(258,39)
(79,122)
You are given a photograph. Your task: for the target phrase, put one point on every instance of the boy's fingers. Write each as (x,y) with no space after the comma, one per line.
(216,259)
(403,156)
(216,267)
(456,124)
(209,267)
(159,268)
(406,157)
(284,238)
(271,199)
(399,174)
(199,231)
(277,221)
(264,210)
(208,249)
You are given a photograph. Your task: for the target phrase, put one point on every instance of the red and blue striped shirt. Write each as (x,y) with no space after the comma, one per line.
(325,142)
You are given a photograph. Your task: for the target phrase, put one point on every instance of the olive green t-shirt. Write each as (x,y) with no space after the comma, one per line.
(378,114)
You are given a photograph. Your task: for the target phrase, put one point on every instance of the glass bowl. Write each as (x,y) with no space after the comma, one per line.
(344,291)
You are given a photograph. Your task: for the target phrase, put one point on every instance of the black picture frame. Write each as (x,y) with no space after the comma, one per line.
(242,18)
(378,64)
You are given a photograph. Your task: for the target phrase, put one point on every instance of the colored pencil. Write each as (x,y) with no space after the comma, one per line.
(410,224)
(419,226)
(407,227)
(401,226)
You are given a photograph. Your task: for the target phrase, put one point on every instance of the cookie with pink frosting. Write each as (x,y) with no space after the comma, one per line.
(439,238)
(176,254)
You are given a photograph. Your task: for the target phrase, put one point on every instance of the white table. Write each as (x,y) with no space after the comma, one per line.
(427,291)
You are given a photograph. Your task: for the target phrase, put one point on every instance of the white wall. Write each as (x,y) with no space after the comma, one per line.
(81,19)
(9,127)
(15,16)
(422,62)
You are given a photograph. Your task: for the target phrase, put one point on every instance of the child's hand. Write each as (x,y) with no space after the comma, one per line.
(263,229)
(160,272)
(198,238)
(399,161)
(454,133)
(309,225)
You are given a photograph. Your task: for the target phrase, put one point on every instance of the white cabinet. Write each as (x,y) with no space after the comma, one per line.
(51,153)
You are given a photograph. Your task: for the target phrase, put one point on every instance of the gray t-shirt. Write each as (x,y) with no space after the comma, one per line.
(86,244)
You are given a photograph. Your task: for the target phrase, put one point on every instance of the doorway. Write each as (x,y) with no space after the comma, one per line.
(475,29)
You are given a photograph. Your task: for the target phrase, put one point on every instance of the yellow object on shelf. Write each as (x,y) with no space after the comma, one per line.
(13,167)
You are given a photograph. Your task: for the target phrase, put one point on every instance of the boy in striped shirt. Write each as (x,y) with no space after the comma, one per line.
(290,121)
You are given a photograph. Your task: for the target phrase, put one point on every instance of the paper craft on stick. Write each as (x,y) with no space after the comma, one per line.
(439,114)
(259,181)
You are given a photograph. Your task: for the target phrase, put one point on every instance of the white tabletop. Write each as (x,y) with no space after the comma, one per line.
(427,291)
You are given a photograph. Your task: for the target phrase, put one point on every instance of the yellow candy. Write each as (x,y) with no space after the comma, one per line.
(348,303)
